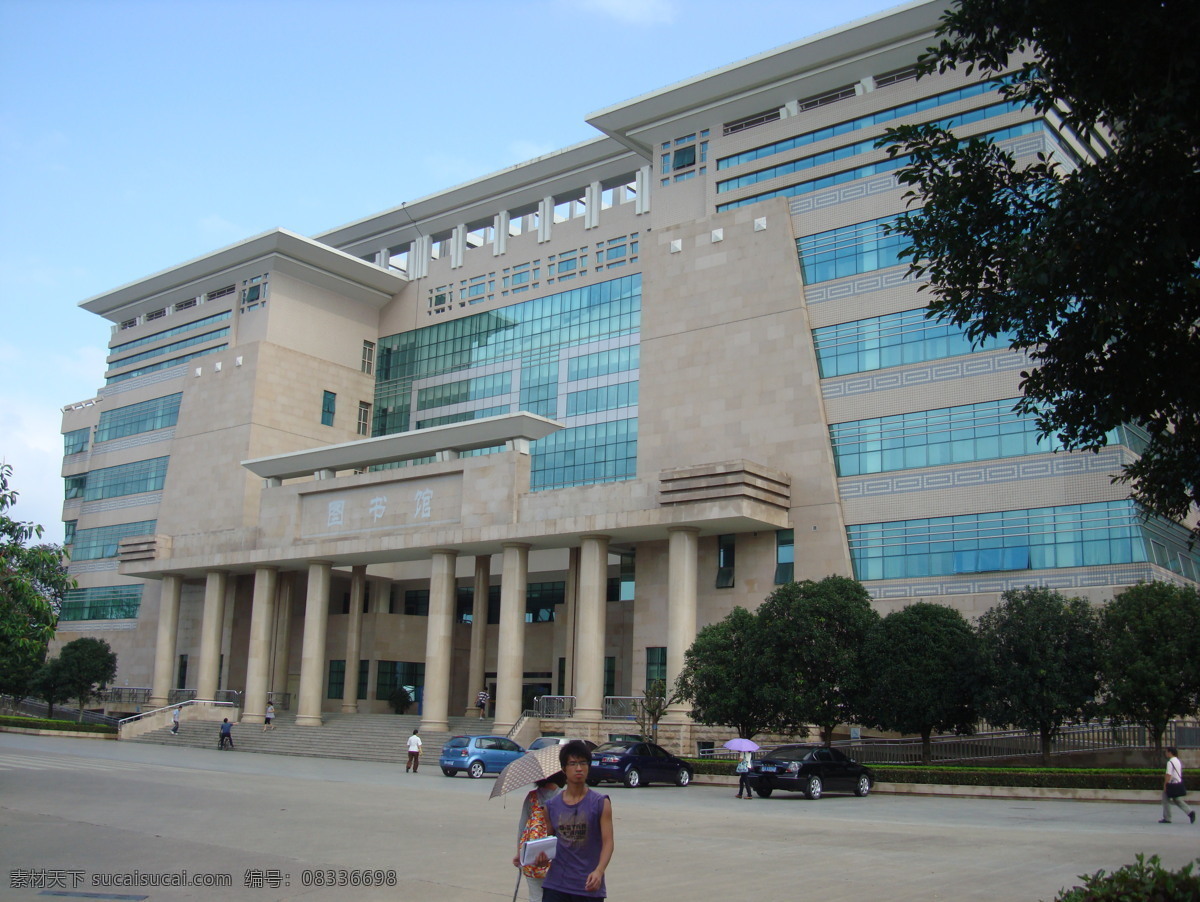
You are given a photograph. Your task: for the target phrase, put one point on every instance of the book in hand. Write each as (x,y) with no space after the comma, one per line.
(549,845)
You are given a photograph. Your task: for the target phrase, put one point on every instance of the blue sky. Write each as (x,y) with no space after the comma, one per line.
(137,135)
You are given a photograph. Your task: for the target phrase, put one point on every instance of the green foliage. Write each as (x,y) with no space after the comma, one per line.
(1039,662)
(87,665)
(924,667)
(652,708)
(1091,270)
(50,684)
(400,700)
(813,633)
(1149,637)
(1144,881)
(33,581)
(726,680)
(42,723)
(1053,778)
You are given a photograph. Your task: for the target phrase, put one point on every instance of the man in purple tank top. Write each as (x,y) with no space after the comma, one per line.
(581,818)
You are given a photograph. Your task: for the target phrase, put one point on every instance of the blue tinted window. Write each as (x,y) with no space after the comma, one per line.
(127,479)
(157,413)
(76,441)
(103,603)
(850,250)
(880,342)
(102,542)
(1077,535)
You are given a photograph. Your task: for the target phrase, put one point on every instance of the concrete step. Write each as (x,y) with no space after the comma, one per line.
(361,737)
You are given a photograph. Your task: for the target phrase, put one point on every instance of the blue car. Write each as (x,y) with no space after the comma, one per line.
(637,764)
(478,755)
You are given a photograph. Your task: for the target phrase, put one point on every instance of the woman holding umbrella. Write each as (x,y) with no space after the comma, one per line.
(747,747)
(535,824)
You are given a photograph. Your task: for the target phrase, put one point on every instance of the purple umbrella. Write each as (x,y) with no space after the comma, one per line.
(742,745)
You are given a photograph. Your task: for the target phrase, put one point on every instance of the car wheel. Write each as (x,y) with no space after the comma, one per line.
(863,787)
(813,790)
(683,777)
(633,779)
(475,771)
(449,771)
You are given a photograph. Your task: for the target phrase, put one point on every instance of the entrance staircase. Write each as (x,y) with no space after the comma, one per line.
(355,737)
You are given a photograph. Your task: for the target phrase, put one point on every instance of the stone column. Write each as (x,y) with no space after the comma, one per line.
(168,633)
(435,708)
(283,632)
(510,651)
(211,625)
(570,611)
(262,614)
(358,588)
(479,611)
(590,621)
(682,562)
(312,655)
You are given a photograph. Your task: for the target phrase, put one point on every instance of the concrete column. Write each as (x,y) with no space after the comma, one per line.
(479,609)
(168,633)
(510,651)
(211,625)
(262,615)
(312,655)
(381,595)
(285,585)
(590,622)
(358,588)
(435,708)
(683,546)
(570,611)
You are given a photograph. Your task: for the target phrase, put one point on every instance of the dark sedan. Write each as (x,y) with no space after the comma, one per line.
(810,769)
(637,764)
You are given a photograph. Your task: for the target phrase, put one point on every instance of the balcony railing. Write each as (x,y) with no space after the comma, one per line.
(554,706)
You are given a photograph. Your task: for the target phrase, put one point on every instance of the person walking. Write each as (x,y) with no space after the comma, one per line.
(175,721)
(1174,788)
(481,701)
(270,716)
(743,771)
(414,752)
(582,820)
(226,735)
(534,823)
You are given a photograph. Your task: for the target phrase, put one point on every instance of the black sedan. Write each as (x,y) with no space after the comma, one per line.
(637,764)
(810,769)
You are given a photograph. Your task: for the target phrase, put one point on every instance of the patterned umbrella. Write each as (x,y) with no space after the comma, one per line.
(529,768)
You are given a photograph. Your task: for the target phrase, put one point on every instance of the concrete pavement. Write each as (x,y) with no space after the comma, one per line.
(73,812)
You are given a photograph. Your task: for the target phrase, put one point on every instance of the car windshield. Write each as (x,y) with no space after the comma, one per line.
(458,742)
(617,748)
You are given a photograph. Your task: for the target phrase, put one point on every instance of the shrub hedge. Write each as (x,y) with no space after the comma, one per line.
(66,726)
(1145,880)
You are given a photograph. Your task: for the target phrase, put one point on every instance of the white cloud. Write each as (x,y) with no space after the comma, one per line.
(633,12)
(33,448)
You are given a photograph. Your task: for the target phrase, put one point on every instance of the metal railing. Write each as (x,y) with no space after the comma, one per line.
(622,707)
(555,706)
(516,728)
(1084,737)
(175,696)
(133,718)
(281,700)
(134,695)
(62,712)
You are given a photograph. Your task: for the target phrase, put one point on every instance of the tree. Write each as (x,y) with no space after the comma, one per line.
(1039,662)
(50,685)
(814,633)
(724,678)
(652,708)
(924,666)
(33,582)
(87,664)
(1091,269)
(1149,642)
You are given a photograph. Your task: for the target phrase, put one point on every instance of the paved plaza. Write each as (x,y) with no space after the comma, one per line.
(73,812)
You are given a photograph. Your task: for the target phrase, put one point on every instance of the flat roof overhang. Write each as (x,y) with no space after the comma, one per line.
(379,284)
(469,436)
